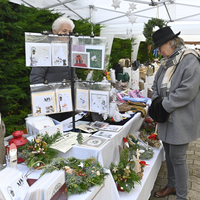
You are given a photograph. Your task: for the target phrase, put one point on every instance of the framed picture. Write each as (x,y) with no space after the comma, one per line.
(99,101)
(63,100)
(43,123)
(80,59)
(94,142)
(86,128)
(104,134)
(43,103)
(82,100)
(59,54)
(99,125)
(38,54)
(96,56)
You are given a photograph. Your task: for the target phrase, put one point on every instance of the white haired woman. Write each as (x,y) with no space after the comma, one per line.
(175,106)
(61,25)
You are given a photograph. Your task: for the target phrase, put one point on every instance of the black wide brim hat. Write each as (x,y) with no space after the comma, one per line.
(162,36)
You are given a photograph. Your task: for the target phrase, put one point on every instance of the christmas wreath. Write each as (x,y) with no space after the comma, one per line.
(148,28)
(80,174)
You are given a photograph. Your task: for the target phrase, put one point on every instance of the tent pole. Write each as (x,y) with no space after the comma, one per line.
(57,4)
(91,18)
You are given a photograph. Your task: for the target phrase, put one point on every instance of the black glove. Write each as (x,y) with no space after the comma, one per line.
(157,112)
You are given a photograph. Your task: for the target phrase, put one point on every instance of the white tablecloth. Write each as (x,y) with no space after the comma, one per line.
(109,152)
(108,190)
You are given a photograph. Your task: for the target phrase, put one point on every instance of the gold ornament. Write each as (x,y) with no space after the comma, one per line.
(115,169)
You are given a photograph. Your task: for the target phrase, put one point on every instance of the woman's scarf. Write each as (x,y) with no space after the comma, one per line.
(170,65)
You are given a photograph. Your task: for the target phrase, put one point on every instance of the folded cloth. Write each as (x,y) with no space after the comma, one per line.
(136,103)
(142,99)
(127,107)
(157,112)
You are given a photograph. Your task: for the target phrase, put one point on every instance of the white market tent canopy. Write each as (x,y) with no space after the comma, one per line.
(126,18)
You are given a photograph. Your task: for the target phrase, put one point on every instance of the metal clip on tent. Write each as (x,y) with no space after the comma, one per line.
(45,32)
(92,35)
(76,34)
(46,82)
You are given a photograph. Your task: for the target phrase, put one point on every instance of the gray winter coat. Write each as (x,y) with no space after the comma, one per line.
(51,74)
(183,102)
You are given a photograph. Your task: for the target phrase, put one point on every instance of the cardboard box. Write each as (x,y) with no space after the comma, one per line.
(32,130)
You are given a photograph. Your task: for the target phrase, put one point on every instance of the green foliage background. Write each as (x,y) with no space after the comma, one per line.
(121,48)
(15,103)
(14,76)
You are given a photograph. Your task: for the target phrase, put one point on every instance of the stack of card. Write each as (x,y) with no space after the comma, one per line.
(13,185)
(46,186)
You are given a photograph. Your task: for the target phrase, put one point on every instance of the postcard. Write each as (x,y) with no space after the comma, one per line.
(80,59)
(43,103)
(38,54)
(114,128)
(64,100)
(94,142)
(82,100)
(59,54)
(67,141)
(99,101)
(97,54)
(86,128)
(104,134)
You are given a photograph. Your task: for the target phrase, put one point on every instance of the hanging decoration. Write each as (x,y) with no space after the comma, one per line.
(130,13)
(129,32)
(132,18)
(149,26)
(116,4)
(132,6)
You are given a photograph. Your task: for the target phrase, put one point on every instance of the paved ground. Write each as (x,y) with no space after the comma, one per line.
(193,159)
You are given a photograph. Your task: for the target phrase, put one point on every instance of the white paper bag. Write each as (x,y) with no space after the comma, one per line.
(135,79)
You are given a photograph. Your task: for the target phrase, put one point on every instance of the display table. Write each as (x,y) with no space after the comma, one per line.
(109,190)
(109,152)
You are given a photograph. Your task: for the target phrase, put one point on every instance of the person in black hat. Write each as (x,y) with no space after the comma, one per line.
(175,107)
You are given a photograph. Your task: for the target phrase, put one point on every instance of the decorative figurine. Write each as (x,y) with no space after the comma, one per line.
(13,155)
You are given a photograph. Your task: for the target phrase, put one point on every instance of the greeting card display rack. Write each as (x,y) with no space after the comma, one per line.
(49,50)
